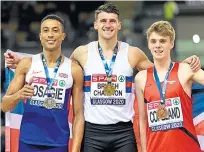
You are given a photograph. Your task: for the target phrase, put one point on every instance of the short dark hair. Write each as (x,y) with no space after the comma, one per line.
(54,17)
(108,8)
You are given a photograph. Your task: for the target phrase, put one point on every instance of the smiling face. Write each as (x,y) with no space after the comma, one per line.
(160,37)
(160,46)
(51,35)
(107,25)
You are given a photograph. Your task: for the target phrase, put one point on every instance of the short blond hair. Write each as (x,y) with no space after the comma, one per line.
(162,28)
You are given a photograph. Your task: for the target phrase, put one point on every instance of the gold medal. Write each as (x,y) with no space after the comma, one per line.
(162,112)
(49,103)
(109,89)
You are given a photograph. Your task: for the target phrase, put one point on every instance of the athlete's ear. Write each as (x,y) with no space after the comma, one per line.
(95,25)
(40,36)
(63,36)
(119,25)
(148,44)
(172,44)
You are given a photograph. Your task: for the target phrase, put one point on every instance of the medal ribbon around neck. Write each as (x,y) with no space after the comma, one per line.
(109,69)
(162,90)
(50,81)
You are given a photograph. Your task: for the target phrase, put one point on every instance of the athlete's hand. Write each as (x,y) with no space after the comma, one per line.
(12,60)
(194,62)
(27,91)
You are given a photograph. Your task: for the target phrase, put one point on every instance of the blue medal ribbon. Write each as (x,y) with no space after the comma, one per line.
(162,90)
(50,81)
(109,69)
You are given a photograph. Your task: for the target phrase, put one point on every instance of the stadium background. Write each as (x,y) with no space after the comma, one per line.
(20,25)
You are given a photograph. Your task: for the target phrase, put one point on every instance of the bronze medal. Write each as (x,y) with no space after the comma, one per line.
(162,112)
(109,89)
(49,103)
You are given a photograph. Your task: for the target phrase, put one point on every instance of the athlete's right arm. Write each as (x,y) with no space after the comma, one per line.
(17,90)
(79,55)
(12,59)
(139,87)
(75,55)
(138,59)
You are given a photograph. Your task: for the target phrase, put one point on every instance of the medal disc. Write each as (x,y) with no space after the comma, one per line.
(109,89)
(162,112)
(49,103)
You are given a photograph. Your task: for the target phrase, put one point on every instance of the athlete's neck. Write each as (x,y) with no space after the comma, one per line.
(107,45)
(162,65)
(51,57)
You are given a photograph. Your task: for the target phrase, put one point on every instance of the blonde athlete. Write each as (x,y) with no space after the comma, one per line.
(164,97)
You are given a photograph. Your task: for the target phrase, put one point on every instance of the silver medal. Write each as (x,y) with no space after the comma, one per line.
(49,103)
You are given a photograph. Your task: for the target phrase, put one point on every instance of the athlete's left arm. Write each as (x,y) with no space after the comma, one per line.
(77,103)
(198,77)
(194,62)
(188,74)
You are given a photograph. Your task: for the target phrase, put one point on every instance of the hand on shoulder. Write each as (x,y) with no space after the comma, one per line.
(185,67)
(194,62)
(12,59)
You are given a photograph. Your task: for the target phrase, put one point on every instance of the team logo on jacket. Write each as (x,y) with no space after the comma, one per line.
(62,83)
(121,78)
(176,102)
